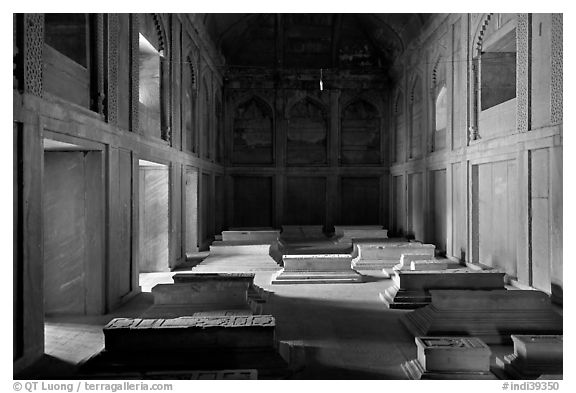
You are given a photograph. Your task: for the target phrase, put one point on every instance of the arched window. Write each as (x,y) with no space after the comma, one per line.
(494,73)
(441,110)
(252,133)
(360,134)
(307,134)
(68,58)
(152,83)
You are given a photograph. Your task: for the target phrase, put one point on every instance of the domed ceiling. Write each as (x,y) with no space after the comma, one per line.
(313,40)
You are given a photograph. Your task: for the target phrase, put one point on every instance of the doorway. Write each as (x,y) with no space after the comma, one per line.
(153,213)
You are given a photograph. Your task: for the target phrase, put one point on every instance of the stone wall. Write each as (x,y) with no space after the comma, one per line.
(104,120)
(502,190)
(321,155)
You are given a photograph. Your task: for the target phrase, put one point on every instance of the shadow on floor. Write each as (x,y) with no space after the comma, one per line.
(48,367)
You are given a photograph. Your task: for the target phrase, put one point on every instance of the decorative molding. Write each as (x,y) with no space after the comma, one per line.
(112,69)
(556,87)
(33,53)
(523,56)
(134,71)
(100,71)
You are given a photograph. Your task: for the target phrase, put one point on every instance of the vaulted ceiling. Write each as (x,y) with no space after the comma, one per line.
(313,40)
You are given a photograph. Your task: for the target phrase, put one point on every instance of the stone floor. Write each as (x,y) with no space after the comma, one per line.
(338,331)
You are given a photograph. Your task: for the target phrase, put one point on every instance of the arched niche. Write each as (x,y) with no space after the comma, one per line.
(219,119)
(399,128)
(307,134)
(416,119)
(205,122)
(360,134)
(439,102)
(188,102)
(252,133)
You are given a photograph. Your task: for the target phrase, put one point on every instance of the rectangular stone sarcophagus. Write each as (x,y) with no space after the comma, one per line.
(189,333)
(534,356)
(317,268)
(384,255)
(352,232)
(412,288)
(239,247)
(217,293)
(256,236)
(491,315)
(450,358)
(302,231)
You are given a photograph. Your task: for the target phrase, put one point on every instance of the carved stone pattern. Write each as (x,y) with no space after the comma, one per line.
(159,32)
(100,94)
(481,33)
(112,59)
(557,69)
(228,321)
(523,72)
(33,53)
(134,72)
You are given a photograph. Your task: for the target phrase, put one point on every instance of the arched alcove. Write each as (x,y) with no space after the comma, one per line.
(360,134)
(416,119)
(399,128)
(252,133)
(189,105)
(307,134)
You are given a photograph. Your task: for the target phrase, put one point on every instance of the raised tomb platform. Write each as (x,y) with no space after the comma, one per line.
(411,288)
(450,358)
(195,294)
(188,345)
(239,247)
(317,269)
(255,235)
(385,254)
(302,231)
(534,356)
(491,315)
(352,232)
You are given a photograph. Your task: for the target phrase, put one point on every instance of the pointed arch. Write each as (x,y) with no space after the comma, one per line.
(307,136)
(253,132)
(360,133)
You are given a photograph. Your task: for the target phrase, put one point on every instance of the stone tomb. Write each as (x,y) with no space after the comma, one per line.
(491,316)
(213,293)
(384,255)
(534,356)
(317,269)
(302,231)
(189,333)
(450,358)
(256,296)
(349,233)
(239,247)
(256,236)
(424,262)
(411,288)
(180,346)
